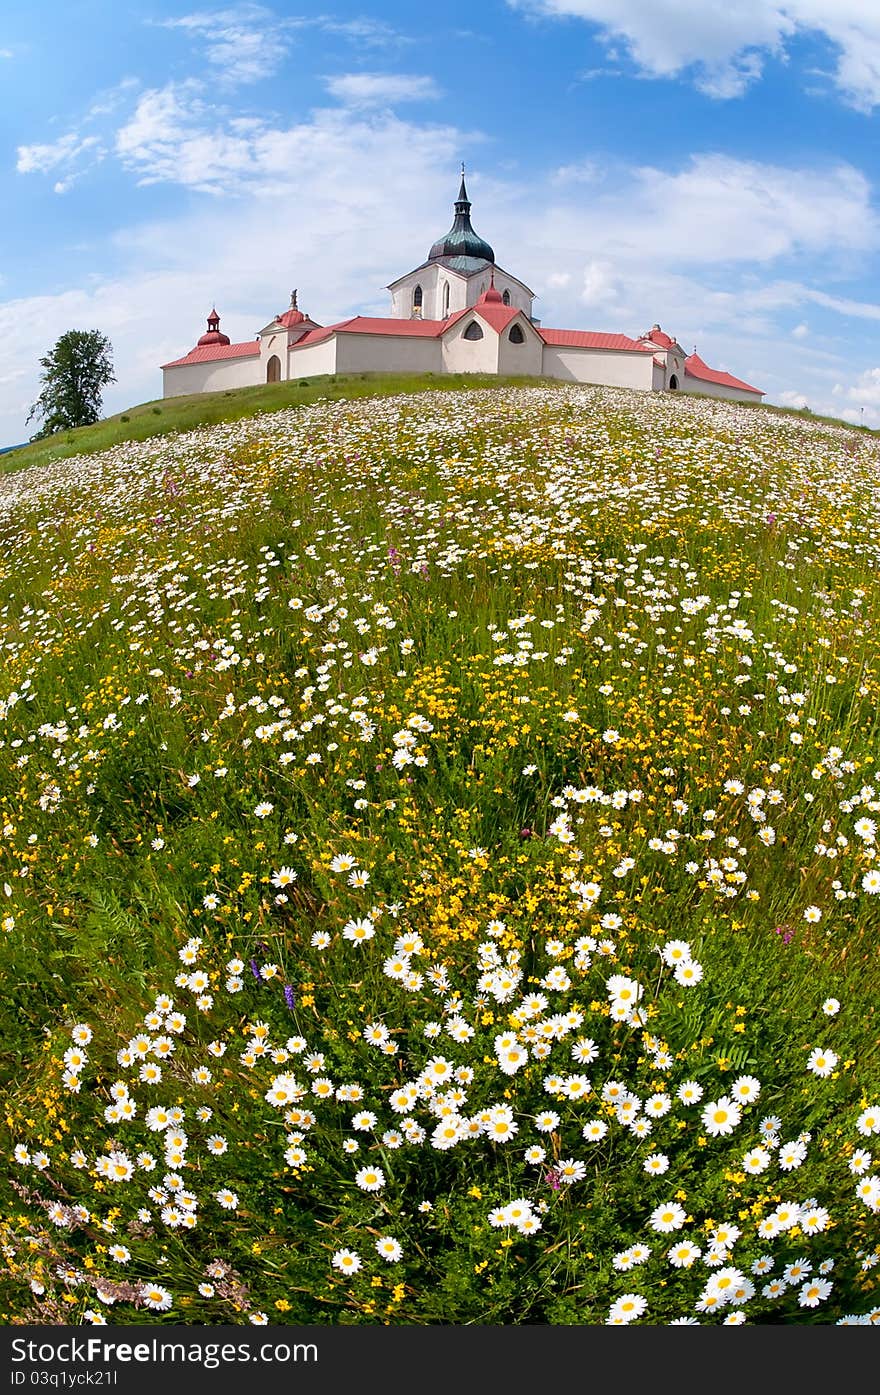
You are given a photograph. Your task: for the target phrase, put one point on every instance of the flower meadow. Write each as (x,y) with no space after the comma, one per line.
(440,876)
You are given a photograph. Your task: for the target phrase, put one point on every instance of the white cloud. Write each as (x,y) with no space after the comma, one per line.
(581,172)
(381,89)
(244,44)
(40,159)
(714,210)
(792,399)
(723,44)
(857,400)
(602,288)
(859,309)
(865,391)
(105,102)
(800,331)
(175,136)
(365,32)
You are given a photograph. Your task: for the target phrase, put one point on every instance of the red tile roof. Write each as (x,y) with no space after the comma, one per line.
(215,351)
(590,339)
(312,336)
(658,337)
(696,368)
(497,315)
(368,324)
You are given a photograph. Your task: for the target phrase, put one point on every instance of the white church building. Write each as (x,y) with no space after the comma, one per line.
(457,312)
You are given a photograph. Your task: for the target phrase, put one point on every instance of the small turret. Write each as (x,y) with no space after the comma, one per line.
(213,335)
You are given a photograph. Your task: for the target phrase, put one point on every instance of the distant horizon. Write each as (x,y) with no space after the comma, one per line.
(711,170)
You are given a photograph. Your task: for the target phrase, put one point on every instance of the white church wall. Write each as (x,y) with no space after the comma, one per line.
(459,293)
(462,355)
(464,291)
(214,376)
(699,385)
(386,353)
(526,358)
(273,345)
(402,295)
(312,359)
(611,369)
(674,369)
(519,298)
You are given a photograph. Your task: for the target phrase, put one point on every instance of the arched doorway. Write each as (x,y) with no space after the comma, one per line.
(273,369)
(673,383)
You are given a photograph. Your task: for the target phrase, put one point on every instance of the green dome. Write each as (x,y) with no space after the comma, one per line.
(461,240)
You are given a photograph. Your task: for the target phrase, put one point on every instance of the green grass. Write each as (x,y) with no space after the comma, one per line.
(177,414)
(520,686)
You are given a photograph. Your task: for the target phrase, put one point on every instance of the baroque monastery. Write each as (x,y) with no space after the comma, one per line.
(457,312)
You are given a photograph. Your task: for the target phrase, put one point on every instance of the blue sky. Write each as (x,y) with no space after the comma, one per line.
(710,165)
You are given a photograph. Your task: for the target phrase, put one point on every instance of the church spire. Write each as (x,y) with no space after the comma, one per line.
(461,240)
(462,203)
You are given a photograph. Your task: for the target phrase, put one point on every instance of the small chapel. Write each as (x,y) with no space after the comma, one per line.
(456,312)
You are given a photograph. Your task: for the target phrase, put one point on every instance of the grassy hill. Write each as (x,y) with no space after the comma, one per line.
(176,414)
(440,877)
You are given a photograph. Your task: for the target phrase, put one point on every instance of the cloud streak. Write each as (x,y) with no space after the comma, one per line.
(381,89)
(243,45)
(723,47)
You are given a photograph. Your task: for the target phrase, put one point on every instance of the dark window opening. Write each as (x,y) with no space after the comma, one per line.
(673,383)
(417,301)
(516,335)
(473,331)
(506,297)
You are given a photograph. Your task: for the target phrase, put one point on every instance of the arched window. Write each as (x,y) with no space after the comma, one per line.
(417,302)
(516,335)
(473,331)
(506,297)
(673,383)
(273,369)
(445,299)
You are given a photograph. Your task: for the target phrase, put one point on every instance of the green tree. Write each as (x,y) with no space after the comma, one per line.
(75,372)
